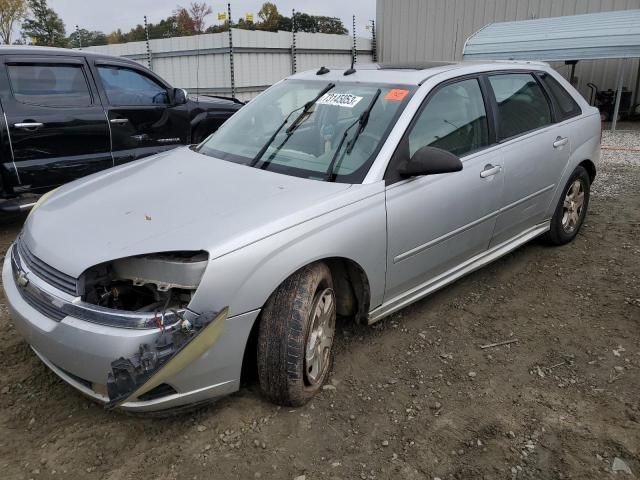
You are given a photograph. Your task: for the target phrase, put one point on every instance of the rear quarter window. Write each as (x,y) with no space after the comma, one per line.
(566,107)
(49,85)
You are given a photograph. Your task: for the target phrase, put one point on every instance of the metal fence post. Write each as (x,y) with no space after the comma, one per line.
(78,37)
(233,75)
(355,45)
(146,36)
(374,46)
(293,42)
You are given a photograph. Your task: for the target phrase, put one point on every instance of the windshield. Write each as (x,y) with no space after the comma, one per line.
(282,130)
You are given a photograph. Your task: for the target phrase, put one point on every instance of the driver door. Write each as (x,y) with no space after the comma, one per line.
(437,222)
(141,117)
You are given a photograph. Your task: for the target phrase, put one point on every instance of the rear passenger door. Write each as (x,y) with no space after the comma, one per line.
(143,121)
(57,127)
(535,151)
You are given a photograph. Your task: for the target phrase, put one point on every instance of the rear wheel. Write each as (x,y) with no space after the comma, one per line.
(571,209)
(295,337)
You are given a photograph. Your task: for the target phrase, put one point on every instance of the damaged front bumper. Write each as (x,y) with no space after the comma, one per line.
(66,336)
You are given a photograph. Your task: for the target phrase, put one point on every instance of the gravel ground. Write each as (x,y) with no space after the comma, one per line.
(414,397)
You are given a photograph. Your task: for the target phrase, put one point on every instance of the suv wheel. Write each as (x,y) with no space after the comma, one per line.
(295,336)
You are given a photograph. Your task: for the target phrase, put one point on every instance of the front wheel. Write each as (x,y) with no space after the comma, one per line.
(571,209)
(295,337)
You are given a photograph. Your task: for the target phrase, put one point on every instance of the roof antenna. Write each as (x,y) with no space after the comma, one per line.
(322,71)
(351,70)
(354,52)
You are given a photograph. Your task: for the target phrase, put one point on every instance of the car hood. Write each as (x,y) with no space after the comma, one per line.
(216,103)
(180,200)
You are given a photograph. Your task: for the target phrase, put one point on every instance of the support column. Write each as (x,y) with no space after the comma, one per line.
(616,108)
(635,90)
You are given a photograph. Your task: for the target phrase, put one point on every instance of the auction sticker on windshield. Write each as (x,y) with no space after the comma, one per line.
(339,100)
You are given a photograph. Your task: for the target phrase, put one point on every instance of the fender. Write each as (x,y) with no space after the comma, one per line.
(244,279)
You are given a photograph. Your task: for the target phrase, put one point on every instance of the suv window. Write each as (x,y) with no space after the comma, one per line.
(125,86)
(49,85)
(566,106)
(522,105)
(454,119)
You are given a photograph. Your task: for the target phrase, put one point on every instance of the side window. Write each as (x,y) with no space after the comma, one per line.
(126,87)
(49,85)
(566,106)
(454,119)
(522,105)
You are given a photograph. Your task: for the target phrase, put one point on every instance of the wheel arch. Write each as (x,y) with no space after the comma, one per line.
(353,297)
(590,167)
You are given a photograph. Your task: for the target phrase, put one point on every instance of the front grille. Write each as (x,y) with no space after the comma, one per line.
(53,277)
(44,307)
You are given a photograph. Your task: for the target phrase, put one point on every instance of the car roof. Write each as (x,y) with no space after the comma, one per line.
(409,73)
(54,51)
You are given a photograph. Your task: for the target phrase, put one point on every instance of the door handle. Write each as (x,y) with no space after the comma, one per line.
(28,125)
(490,170)
(119,121)
(560,142)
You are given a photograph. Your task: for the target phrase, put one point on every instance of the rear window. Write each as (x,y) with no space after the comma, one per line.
(566,106)
(522,105)
(49,85)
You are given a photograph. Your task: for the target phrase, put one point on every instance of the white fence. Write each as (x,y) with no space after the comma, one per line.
(202,62)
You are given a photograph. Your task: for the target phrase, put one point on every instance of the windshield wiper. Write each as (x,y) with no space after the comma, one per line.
(305,109)
(362,121)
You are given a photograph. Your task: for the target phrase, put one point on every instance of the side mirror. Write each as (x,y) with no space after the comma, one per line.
(179,96)
(430,161)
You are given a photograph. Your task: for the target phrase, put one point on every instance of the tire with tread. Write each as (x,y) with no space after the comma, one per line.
(282,336)
(557,235)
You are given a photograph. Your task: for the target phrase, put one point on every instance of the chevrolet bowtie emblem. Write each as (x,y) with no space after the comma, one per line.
(21,279)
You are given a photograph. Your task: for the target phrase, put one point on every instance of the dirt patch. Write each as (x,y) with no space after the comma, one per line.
(414,397)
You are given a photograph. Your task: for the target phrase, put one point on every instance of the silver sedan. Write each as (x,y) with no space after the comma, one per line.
(332,196)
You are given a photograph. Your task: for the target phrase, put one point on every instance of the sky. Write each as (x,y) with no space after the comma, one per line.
(108,15)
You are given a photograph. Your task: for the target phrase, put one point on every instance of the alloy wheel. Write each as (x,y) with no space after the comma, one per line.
(573,206)
(320,338)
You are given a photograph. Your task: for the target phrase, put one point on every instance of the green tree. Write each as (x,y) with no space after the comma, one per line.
(305,23)
(46,27)
(218,28)
(11,11)
(313,24)
(284,23)
(136,34)
(270,17)
(245,24)
(165,28)
(86,38)
(116,37)
(330,25)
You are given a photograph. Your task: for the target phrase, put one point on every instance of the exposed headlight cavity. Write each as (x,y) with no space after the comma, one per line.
(157,282)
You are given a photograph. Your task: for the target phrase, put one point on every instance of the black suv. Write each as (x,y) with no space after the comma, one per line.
(66,113)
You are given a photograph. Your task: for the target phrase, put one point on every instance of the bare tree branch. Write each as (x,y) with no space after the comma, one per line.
(11,11)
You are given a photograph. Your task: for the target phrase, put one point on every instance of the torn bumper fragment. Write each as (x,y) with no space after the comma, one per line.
(176,347)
